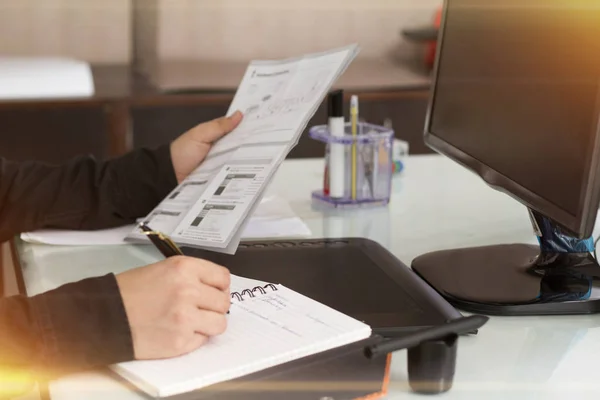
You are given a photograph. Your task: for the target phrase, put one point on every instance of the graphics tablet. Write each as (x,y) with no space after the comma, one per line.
(355,276)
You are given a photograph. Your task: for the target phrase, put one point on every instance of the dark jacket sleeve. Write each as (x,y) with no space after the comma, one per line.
(84,193)
(82,324)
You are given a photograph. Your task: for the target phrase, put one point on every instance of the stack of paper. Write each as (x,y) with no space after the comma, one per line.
(273,218)
(211,207)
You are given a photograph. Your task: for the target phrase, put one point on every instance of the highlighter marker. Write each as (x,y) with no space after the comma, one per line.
(354,124)
(336,150)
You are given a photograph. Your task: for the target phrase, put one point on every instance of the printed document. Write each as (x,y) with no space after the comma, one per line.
(210,208)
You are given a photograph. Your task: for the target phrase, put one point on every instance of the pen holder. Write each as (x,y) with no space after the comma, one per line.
(358,168)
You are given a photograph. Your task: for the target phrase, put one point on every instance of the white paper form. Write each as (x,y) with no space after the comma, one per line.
(176,205)
(227,200)
(278,98)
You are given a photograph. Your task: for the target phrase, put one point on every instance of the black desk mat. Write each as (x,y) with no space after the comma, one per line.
(355,276)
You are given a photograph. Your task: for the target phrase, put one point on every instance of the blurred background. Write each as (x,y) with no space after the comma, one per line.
(104,76)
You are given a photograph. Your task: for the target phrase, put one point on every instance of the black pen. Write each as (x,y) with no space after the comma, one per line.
(162,242)
(454,327)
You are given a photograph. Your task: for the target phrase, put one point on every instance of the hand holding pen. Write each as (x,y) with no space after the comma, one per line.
(174,305)
(162,242)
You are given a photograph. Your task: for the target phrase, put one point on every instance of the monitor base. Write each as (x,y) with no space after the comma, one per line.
(554,278)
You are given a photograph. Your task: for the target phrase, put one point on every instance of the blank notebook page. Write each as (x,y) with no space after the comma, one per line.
(271,328)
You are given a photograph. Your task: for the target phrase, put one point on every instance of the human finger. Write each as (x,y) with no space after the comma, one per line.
(210,131)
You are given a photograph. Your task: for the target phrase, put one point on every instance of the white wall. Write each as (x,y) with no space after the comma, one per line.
(239,30)
(101,31)
(92,30)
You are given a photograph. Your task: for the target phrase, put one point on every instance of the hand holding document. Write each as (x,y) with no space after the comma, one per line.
(211,207)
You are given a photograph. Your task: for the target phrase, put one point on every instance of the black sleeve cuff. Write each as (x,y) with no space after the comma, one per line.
(143,178)
(83,325)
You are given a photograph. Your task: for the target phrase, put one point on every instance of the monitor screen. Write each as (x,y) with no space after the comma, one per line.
(516,96)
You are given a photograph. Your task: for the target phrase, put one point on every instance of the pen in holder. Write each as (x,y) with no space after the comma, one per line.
(358,168)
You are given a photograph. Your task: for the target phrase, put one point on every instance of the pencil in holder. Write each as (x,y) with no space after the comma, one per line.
(358,168)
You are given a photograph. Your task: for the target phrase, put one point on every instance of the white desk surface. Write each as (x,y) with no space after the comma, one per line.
(436,204)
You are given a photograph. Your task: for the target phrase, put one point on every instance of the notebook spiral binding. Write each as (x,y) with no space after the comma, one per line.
(252,292)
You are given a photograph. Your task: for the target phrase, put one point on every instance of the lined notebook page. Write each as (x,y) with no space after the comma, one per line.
(262,332)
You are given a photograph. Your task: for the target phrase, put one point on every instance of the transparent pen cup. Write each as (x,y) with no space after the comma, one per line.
(358,168)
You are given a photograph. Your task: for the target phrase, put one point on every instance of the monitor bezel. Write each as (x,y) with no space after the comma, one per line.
(580,225)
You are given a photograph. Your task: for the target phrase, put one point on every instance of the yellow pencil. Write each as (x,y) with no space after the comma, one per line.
(354,122)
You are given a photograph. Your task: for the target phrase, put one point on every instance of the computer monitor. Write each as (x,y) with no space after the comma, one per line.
(516,99)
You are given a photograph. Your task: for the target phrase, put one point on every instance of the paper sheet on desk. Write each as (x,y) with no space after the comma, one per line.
(273,218)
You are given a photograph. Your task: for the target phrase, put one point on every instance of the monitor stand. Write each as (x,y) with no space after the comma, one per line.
(552,278)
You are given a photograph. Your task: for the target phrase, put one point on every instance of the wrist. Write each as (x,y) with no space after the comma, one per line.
(173,151)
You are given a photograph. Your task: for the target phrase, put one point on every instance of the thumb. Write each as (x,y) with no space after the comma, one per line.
(215,129)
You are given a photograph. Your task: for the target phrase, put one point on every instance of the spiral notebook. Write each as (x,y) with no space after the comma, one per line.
(269,324)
